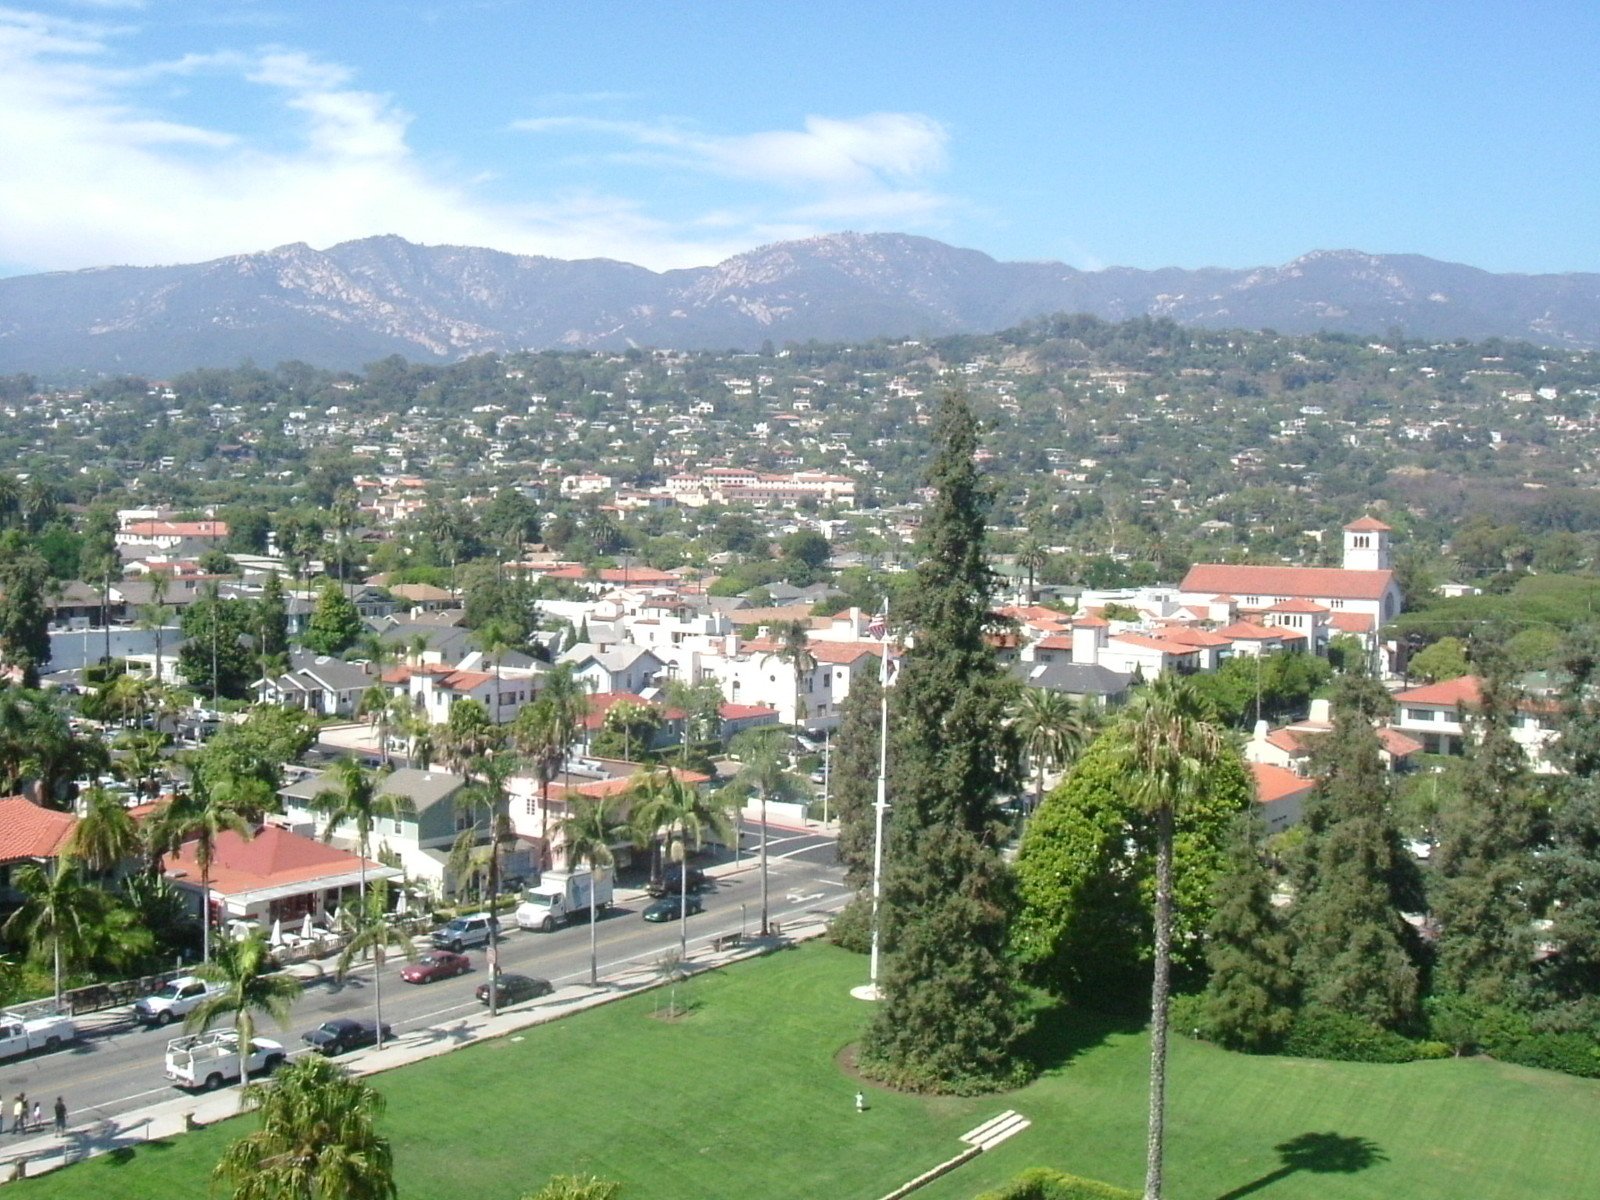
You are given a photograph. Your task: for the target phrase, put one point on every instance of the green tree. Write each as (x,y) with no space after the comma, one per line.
(318,1139)
(355,799)
(106,835)
(629,729)
(487,790)
(1484,861)
(335,625)
(1445,659)
(370,932)
(764,771)
(250,987)
(805,552)
(590,830)
(663,801)
(950,1012)
(1250,995)
(1353,950)
(854,775)
(1053,728)
(544,731)
(577,1187)
(1170,754)
(59,912)
(202,813)
(272,624)
(469,735)
(794,648)
(215,657)
(24,618)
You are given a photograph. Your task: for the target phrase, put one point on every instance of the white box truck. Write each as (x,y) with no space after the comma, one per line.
(562,895)
(20,1034)
(209,1060)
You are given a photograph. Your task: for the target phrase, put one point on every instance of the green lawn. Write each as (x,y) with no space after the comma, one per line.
(743,1099)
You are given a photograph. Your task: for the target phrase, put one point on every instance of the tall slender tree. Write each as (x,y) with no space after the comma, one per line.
(106,835)
(1170,752)
(202,813)
(794,648)
(1250,996)
(764,770)
(250,988)
(950,1014)
(1054,730)
(663,801)
(357,799)
(590,830)
(58,911)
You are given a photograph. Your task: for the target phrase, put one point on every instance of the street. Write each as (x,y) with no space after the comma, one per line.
(117,1068)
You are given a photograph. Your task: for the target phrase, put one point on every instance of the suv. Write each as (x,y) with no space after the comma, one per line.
(671,882)
(471,930)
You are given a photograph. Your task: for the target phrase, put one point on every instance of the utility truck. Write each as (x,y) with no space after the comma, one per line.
(560,896)
(209,1060)
(20,1034)
(177,998)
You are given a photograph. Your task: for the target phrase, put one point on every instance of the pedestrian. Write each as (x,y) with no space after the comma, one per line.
(36,1122)
(61,1117)
(19,1113)
(861,1102)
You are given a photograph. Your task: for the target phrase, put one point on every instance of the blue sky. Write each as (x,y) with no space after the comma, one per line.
(675,134)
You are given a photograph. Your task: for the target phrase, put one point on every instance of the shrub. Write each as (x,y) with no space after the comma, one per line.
(1326,1033)
(1041,1183)
(1573,1053)
(851,929)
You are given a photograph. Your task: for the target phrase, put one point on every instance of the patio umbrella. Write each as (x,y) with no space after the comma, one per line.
(400,907)
(277,931)
(305,928)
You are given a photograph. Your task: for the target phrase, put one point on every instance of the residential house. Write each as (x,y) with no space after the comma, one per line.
(1439,716)
(317,683)
(624,668)
(29,833)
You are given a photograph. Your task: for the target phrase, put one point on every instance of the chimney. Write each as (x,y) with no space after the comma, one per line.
(1322,711)
(1088,639)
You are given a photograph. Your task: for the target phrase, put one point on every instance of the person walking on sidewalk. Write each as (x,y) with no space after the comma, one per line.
(61,1117)
(19,1114)
(36,1120)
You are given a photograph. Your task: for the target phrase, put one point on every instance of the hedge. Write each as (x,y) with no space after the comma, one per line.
(1042,1183)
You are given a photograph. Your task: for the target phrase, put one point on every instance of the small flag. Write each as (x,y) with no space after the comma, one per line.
(878,626)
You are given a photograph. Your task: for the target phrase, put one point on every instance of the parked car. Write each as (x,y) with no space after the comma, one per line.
(457,935)
(514,989)
(437,964)
(176,998)
(671,881)
(342,1034)
(667,908)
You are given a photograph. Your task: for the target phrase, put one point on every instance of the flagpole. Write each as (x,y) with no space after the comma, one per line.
(870,991)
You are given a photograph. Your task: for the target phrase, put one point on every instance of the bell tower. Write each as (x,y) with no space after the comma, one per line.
(1366,545)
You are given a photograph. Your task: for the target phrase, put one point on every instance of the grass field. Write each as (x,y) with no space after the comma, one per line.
(744,1098)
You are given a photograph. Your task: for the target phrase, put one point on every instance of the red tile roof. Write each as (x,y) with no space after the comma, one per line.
(1308,582)
(1452,693)
(29,831)
(1146,642)
(1277,783)
(1367,525)
(1350,622)
(1299,605)
(273,857)
(739,712)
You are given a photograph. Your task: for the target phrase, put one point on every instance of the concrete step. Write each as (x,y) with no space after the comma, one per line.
(996,1130)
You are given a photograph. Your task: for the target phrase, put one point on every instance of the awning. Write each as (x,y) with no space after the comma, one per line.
(278,891)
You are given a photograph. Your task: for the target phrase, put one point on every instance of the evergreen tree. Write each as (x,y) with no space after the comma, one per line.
(24,619)
(1484,861)
(335,625)
(950,1016)
(854,776)
(1353,950)
(272,621)
(1249,998)
(216,656)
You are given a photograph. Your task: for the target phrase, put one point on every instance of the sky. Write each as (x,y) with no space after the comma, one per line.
(676,133)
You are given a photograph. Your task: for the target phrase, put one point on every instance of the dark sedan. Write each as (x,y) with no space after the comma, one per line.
(668,908)
(342,1034)
(671,883)
(437,964)
(514,989)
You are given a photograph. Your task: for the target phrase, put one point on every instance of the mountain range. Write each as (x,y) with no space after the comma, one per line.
(363,300)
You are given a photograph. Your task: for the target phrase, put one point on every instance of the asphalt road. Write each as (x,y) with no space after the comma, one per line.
(118,1069)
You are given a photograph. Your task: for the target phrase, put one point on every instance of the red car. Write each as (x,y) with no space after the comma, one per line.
(436,964)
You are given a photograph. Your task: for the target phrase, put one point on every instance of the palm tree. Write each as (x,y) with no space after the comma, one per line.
(141,760)
(58,910)
(1053,730)
(545,730)
(377,702)
(794,648)
(764,771)
(1171,746)
(589,832)
(1031,558)
(202,814)
(664,802)
(494,638)
(356,799)
(317,1139)
(489,792)
(469,735)
(244,967)
(106,835)
(369,931)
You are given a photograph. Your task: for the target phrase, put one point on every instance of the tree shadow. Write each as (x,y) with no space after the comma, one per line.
(1316,1154)
(1061,1032)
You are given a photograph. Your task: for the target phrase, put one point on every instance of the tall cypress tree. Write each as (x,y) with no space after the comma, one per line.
(1484,862)
(1249,999)
(853,775)
(950,1014)
(1353,949)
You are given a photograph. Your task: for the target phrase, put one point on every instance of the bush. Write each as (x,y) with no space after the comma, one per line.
(1572,1053)
(1468,1025)
(1187,1015)
(1041,1183)
(851,929)
(1325,1033)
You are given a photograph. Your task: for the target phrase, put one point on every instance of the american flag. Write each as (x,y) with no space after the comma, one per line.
(878,627)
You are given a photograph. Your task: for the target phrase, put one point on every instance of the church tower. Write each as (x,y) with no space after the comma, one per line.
(1366,545)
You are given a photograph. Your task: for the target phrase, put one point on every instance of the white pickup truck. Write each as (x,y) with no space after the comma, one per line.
(175,999)
(209,1060)
(19,1034)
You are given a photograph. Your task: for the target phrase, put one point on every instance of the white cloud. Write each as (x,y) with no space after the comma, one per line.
(105,172)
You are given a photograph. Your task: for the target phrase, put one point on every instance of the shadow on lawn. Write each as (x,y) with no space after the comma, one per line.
(1061,1032)
(1317,1154)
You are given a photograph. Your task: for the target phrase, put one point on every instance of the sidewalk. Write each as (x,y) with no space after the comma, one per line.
(36,1153)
